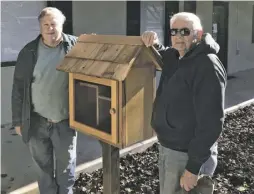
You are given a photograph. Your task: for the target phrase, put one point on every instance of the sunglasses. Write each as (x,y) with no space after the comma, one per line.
(182,32)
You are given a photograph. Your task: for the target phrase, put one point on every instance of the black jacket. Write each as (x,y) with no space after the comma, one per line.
(188,111)
(23,77)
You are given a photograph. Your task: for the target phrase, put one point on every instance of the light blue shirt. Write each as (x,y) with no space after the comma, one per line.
(50,87)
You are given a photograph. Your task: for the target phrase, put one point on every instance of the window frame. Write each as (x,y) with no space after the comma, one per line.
(252,24)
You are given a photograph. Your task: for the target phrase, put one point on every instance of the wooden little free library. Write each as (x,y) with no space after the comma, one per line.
(112,87)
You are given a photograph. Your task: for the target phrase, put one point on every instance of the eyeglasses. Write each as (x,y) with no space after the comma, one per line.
(183,31)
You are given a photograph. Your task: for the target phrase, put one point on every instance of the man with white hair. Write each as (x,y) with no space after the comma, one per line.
(40,104)
(188,111)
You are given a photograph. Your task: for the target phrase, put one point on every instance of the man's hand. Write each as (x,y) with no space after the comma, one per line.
(149,38)
(18,130)
(188,180)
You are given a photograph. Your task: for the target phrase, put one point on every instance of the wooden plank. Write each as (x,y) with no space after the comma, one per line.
(111,39)
(116,71)
(105,70)
(154,57)
(85,50)
(150,90)
(82,66)
(104,52)
(109,52)
(124,113)
(91,79)
(127,54)
(120,114)
(134,115)
(111,169)
(139,103)
(97,68)
(120,71)
(92,131)
(142,61)
(114,115)
(100,52)
(67,64)
(86,67)
(110,71)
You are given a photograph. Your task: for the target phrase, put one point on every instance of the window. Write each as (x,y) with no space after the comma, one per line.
(133,18)
(92,105)
(19,25)
(253,25)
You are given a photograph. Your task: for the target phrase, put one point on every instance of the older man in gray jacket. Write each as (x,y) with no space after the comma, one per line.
(40,104)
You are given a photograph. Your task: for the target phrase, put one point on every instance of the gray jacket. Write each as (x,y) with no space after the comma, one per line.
(22,81)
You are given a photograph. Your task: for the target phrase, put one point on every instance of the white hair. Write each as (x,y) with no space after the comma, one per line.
(189,17)
(52,11)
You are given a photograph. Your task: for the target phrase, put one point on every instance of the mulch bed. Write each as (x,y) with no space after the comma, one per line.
(234,174)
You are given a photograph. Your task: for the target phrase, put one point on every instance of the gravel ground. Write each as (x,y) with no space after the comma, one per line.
(234,174)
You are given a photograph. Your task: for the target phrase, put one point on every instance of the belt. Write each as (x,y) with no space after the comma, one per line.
(49,120)
(52,121)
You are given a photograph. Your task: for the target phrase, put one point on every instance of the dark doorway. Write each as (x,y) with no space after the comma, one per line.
(171,8)
(190,6)
(133,18)
(66,8)
(220,29)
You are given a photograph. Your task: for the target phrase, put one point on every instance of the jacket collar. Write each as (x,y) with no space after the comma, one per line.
(65,38)
(35,42)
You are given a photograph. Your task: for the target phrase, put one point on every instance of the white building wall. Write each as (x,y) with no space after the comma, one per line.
(152,14)
(240,36)
(240,47)
(19,25)
(204,10)
(107,17)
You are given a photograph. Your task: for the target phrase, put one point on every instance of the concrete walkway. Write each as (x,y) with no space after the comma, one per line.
(16,164)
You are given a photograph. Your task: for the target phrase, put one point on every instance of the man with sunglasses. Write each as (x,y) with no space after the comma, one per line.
(188,111)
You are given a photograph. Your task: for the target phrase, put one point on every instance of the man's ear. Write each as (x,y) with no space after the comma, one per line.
(199,34)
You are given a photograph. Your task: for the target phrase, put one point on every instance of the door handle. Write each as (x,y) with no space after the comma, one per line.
(112,111)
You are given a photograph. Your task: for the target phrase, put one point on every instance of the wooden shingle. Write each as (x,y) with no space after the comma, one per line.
(105,56)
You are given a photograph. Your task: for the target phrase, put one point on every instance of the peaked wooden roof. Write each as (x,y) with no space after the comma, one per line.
(105,56)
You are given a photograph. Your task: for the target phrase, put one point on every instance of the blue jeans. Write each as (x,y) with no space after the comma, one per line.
(53,149)
(172,165)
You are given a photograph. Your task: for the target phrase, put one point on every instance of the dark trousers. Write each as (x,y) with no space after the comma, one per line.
(53,149)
